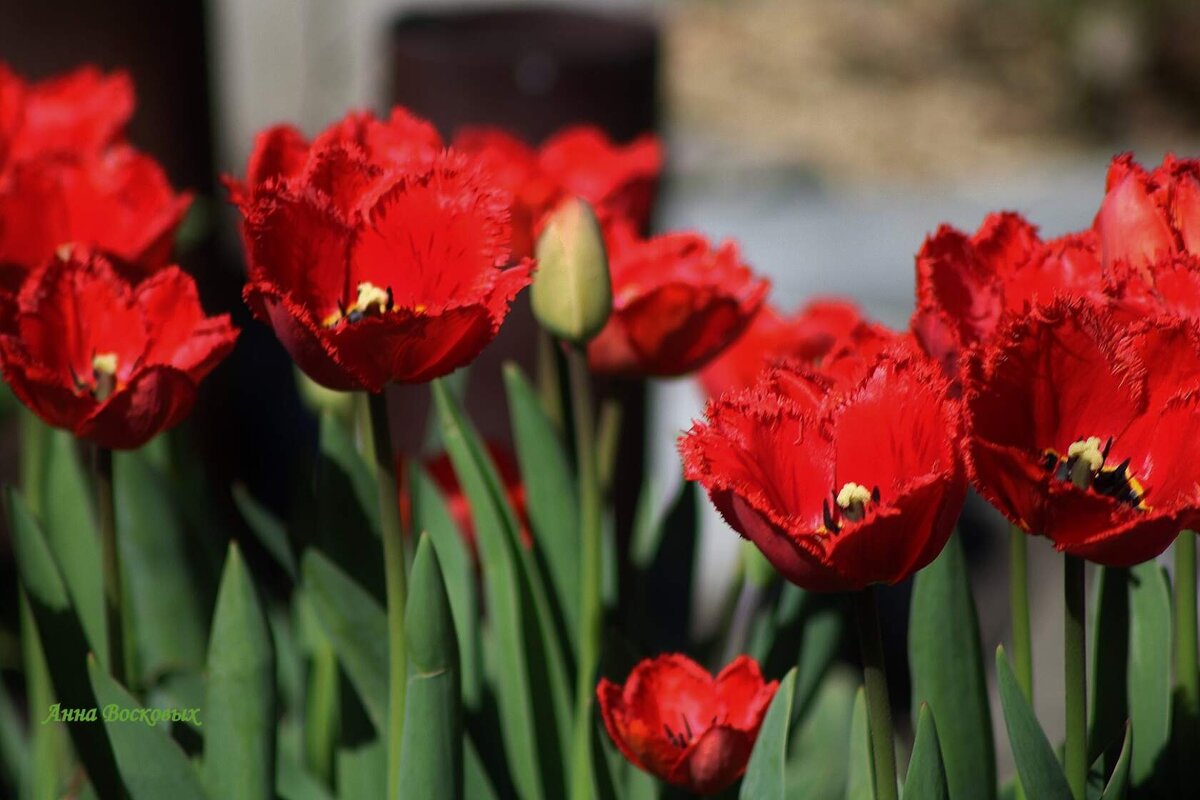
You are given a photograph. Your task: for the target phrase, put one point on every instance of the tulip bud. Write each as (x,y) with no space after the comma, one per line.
(572,293)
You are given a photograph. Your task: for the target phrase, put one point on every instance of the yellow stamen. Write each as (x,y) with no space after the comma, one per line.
(1088,451)
(852,494)
(104,364)
(370,295)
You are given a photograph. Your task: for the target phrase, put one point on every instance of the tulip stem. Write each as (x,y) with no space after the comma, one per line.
(590,565)
(394,581)
(110,563)
(1075,660)
(879,708)
(549,387)
(1018,596)
(1187,670)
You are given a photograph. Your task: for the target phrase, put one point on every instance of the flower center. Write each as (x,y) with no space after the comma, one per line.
(104,375)
(1084,466)
(683,737)
(371,300)
(849,505)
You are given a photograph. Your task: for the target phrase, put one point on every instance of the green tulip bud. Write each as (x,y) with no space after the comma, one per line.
(572,293)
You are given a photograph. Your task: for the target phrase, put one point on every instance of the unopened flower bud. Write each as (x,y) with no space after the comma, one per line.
(572,293)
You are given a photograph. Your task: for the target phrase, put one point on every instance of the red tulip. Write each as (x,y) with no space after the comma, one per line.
(282,154)
(619,182)
(111,362)
(1081,428)
(1147,217)
(118,202)
(677,303)
(675,721)
(817,330)
(966,283)
(841,481)
(76,114)
(371,274)
(442,471)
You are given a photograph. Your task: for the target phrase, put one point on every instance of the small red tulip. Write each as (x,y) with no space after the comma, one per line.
(617,181)
(371,272)
(1081,428)
(677,722)
(677,303)
(111,362)
(117,202)
(843,479)
(1147,217)
(75,114)
(966,283)
(814,332)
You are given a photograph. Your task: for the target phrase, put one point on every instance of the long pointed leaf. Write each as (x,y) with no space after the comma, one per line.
(357,626)
(946,657)
(431,755)
(766,775)
(70,530)
(267,528)
(1118,782)
(1109,651)
(860,783)
(165,596)
(529,659)
(1149,669)
(551,492)
(431,515)
(239,734)
(926,778)
(1041,775)
(151,764)
(63,640)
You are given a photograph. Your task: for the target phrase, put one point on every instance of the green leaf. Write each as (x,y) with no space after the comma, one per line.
(362,771)
(551,493)
(239,732)
(293,782)
(477,784)
(431,516)
(1118,782)
(151,764)
(1149,668)
(1109,650)
(766,775)
(357,626)
(946,659)
(48,745)
(70,530)
(1041,775)
(267,528)
(604,783)
(860,782)
(431,757)
(529,658)
(164,595)
(338,447)
(14,746)
(63,640)
(817,765)
(926,778)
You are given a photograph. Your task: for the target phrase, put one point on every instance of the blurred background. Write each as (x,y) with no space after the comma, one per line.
(828,138)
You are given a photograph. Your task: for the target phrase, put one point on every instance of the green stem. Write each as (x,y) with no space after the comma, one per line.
(1187,670)
(394,581)
(110,563)
(591,568)
(1018,598)
(1075,660)
(879,708)
(549,388)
